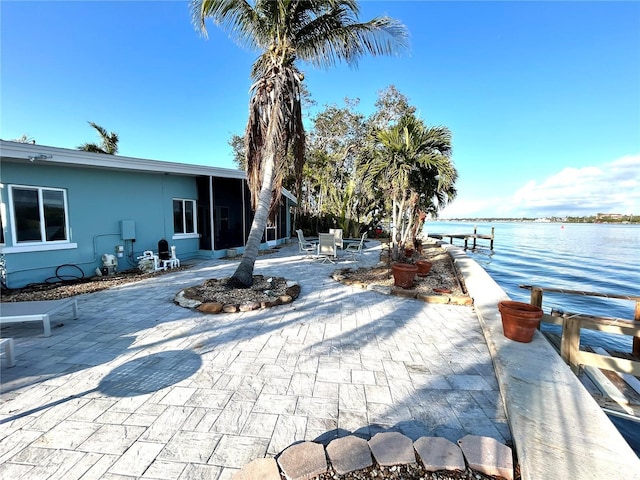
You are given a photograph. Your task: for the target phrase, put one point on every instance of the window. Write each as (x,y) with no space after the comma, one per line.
(184,217)
(39,215)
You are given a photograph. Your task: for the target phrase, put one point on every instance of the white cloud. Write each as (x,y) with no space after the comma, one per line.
(612,187)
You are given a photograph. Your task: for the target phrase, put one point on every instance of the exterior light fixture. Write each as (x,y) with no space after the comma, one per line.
(41,156)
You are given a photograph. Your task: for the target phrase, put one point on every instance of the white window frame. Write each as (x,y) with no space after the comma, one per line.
(43,244)
(194,234)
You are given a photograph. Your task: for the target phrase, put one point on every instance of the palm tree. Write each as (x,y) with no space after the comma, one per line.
(412,164)
(109,143)
(320,32)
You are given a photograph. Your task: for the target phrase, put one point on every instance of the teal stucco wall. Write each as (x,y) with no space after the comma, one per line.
(98,201)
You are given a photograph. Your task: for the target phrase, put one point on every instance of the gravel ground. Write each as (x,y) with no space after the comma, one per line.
(406,472)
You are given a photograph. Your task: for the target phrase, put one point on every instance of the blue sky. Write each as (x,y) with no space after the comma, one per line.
(542,98)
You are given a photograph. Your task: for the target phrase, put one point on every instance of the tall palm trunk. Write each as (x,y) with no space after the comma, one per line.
(243,276)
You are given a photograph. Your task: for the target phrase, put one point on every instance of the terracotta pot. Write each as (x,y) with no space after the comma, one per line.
(408,252)
(424,267)
(403,274)
(519,320)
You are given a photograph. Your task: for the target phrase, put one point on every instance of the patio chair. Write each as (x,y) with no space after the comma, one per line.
(327,247)
(305,247)
(354,250)
(337,232)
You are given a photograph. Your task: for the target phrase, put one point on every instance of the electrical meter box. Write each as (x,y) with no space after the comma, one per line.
(128,229)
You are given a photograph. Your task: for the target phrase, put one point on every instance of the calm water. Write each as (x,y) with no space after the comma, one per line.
(590,257)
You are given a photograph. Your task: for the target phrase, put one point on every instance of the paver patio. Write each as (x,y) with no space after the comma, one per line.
(140,387)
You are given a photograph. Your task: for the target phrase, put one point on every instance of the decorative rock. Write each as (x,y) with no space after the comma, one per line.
(487,455)
(285,298)
(404,292)
(293,291)
(439,453)
(379,289)
(210,307)
(247,307)
(259,469)
(270,303)
(303,461)
(185,302)
(433,298)
(392,448)
(230,308)
(349,454)
(461,300)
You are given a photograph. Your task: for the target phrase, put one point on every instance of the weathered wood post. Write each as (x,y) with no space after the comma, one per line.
(536,299)
(491,243)
(475,235)
(570,341)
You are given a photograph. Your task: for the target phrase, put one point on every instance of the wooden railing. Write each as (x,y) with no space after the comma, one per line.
(572,323)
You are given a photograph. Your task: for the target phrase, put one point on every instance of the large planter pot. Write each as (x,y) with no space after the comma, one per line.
(408,252)
(519,320)
(424,267)
(403,274)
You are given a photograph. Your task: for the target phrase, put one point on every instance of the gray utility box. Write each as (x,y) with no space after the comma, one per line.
(128,229)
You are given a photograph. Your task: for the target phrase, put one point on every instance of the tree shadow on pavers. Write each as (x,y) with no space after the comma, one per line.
(139,376)
(104,333)
(150,373)
(115,325)
(411,428)
(444,385)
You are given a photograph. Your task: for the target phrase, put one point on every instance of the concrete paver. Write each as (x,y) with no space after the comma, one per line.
(303,461)
(348,454)
(487,456)
(392,448)
(439,454)
(148,378)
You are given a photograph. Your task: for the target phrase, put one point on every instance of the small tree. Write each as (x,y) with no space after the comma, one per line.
(108,144)
(412,164)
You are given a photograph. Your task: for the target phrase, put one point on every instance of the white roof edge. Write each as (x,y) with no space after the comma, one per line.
(17,150)
(100,160)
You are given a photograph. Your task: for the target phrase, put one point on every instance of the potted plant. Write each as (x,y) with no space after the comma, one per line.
(519,320)
(424,267)
(403,274)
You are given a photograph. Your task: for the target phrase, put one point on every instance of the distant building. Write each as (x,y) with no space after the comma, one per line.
(609,216)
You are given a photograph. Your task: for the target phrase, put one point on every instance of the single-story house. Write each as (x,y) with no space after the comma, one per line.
(61,210)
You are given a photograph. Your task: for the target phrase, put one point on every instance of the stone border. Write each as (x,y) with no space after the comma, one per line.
(188,300)
(442,298)
(307,460)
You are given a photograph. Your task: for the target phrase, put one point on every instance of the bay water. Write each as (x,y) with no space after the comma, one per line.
(602,258)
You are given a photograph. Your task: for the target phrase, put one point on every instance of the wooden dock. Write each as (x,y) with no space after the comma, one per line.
(475,236)
(612,378)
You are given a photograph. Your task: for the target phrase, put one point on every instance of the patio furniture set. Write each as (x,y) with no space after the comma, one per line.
(326,247)
(37,311)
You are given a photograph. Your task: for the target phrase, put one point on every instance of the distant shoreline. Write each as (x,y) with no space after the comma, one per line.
(626,220)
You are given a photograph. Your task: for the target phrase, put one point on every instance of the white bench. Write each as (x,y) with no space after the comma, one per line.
(39,311)
(7,344)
